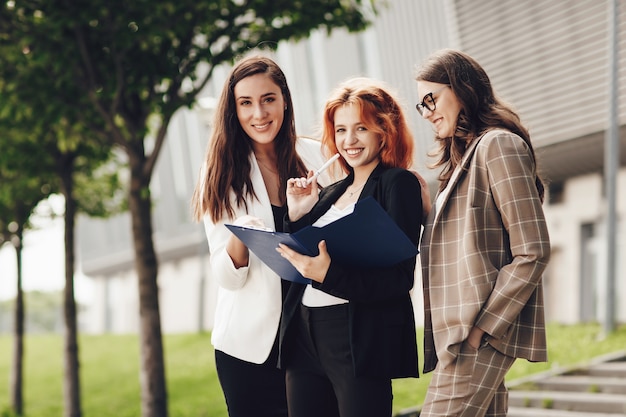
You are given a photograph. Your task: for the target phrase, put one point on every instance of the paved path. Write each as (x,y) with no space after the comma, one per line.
(597,389)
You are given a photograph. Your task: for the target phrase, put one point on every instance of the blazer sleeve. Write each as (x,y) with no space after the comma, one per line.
(511,174)
(222,266)
(400,195)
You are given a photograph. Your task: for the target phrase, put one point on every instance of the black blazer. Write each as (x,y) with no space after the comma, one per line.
(381,320)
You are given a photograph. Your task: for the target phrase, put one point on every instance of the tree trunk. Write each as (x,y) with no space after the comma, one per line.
(71,381)
(152,373)
(17,377)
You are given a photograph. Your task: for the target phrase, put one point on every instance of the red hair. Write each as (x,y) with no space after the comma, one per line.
(380,112)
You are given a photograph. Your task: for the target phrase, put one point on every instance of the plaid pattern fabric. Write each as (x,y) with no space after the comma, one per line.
(483,253)
(472,386)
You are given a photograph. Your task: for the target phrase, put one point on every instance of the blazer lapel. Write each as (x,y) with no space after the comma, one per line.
(329,195)
(455,179)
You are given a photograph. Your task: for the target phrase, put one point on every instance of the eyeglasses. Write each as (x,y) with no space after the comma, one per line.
(428,102)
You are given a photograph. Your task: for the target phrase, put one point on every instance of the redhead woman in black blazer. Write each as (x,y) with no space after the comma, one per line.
(346,335)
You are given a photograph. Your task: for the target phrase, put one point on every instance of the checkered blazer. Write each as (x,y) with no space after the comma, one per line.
(483,253)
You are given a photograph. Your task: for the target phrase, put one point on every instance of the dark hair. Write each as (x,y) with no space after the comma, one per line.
(481,110)
(380,113)
(227,166)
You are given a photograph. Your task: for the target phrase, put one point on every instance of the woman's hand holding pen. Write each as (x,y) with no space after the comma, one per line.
(312,267)
(302,195)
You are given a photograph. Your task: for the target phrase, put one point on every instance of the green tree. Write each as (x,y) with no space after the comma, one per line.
(137,59)
(41,142)
(89,193)
(93,196)
(20,193)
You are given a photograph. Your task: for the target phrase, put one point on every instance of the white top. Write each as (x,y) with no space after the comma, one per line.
(442,195)
(312,296)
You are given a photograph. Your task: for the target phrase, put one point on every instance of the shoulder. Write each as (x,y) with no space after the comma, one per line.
(505,151)
(501,138)
(398,176)
(310,151)
(394,172)
(502,143)
(306,146)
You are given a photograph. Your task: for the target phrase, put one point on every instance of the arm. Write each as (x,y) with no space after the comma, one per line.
(512,182)
(425,194)
(301,196)
(235,248)
(227,274)
(229,256)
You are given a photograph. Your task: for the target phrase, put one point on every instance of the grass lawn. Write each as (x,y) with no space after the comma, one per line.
(110,372)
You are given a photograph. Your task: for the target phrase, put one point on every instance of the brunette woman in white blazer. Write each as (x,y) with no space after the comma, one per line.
(252,152)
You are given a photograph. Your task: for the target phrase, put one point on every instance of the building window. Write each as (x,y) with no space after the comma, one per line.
(588,276)
(555,192)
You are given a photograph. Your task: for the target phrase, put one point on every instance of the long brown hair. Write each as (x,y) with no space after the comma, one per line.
(380,113)
(227,165)
(481,111)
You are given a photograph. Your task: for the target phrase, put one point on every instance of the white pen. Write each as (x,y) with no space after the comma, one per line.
(322,168)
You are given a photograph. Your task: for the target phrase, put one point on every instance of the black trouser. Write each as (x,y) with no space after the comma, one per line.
(252,390)
(320,372)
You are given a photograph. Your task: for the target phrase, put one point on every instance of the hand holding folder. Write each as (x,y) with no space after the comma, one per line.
(366,237)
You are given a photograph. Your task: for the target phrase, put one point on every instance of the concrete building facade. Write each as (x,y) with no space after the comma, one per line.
(549,58)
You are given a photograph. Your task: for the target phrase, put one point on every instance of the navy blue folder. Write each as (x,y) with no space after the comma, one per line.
(366,237)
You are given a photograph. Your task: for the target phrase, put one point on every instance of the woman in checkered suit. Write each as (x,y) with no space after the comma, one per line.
(485,244)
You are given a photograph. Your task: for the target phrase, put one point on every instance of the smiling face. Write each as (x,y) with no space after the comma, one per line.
(359,146)
(447,107)
(260,108)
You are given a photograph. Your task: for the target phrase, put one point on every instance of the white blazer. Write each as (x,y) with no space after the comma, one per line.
(249,299)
